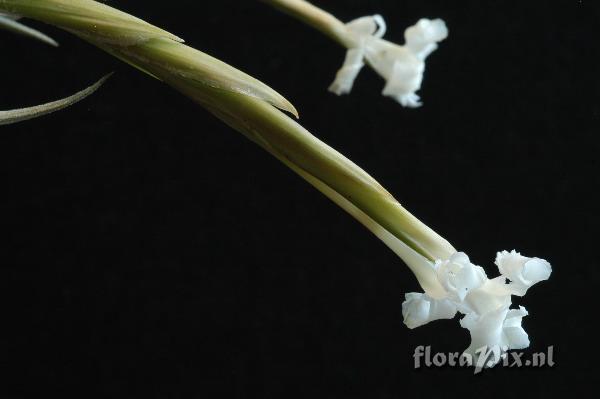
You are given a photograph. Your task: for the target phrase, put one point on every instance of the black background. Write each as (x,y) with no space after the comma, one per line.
(153,252)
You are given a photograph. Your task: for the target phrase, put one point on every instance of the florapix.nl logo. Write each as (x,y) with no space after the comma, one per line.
(482,358)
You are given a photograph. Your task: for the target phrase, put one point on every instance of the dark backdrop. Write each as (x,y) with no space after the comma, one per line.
(152,252)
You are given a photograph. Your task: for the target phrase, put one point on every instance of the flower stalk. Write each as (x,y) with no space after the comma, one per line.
(317,18)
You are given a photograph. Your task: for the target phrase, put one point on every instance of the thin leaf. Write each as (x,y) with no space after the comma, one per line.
(9,23)
(123,36)
(22,114)
(106,24)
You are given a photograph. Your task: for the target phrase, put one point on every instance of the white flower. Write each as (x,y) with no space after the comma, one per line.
(423,37)
(493,333)
(491,295)
(494,327)
(419,309)
(522,272)
(401,66)
(458,275)
(359,32)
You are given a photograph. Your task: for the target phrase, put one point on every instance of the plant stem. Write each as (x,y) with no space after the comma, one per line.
(315,17)
(247,105)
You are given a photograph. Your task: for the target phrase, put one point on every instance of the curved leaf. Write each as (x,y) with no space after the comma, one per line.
(22,114)
(9,23)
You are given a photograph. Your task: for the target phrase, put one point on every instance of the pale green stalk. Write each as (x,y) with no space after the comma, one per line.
(248,106)
(315,17)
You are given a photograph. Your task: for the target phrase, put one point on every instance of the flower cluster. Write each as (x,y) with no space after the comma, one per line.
(485,302)
(401,66)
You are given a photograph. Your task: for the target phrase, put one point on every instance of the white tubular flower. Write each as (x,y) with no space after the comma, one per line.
(423,37)
(401,66)
(419,309)
(458,275)
(494,327)
(515,335)
(491,295)
(347,74)
(493,333)
(360,30)
(522,272)
(486,336)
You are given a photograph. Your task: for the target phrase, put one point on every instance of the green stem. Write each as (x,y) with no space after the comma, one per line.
(315,17)
(247,106)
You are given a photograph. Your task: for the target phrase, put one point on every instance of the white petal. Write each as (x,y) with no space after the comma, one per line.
(345,77)
(422,37)
(419,309)
(360,30)
(523,272)
(404,81)
(382,27)
(536,270)
(515,335)
(487,338)
(510,263)
(493,294)
(368,26)
(458,276)
(383,55)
